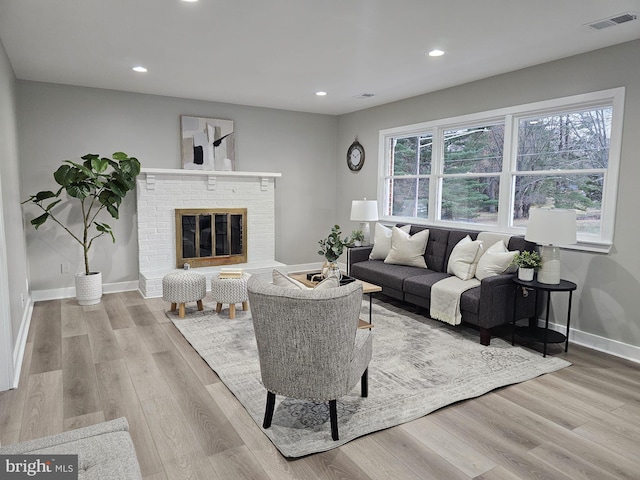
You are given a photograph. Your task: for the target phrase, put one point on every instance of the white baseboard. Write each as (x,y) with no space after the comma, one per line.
(596,342)
(70,292)
(21,342)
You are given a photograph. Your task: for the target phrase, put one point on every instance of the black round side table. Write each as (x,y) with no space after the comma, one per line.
(539,334)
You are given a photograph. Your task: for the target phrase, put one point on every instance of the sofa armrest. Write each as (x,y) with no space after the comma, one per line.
(357,254)
(117,425)
(496,301)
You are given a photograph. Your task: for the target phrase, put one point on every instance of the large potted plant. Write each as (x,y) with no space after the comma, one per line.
(331,248)
(97,184)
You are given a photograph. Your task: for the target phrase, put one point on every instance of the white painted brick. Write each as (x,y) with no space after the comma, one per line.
(156,216)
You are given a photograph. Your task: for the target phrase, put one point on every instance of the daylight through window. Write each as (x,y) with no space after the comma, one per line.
(486,170)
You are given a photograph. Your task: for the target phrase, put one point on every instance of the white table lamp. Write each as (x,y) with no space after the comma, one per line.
(364,211)
(550,227)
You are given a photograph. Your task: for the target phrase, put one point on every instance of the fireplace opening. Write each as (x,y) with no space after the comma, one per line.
(209,237)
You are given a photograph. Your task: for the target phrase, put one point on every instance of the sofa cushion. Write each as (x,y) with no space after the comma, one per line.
(408,249)
(420,285)
(105,450)
(382,241)
(436,250)
(495,260)
(464,258)
(384,274)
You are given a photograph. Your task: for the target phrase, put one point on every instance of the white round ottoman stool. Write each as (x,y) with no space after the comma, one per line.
(183,287)
(231,291)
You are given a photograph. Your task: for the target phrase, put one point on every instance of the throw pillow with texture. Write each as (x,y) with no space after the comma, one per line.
(464,258)
(382,241)
(406,249)
(330,282)
(496,260)
(282,280)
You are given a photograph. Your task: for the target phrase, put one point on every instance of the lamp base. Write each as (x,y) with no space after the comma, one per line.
(366,232)
(549,273)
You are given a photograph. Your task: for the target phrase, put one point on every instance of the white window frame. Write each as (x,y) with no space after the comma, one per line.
(511,117)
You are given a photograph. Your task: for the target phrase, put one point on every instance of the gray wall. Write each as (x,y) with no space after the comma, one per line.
(606,301)
(13,259)
(64,122)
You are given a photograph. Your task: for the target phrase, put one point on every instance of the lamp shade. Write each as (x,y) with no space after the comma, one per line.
(364,210)
(551,226)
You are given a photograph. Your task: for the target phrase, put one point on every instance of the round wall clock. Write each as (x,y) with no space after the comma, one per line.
(355,156)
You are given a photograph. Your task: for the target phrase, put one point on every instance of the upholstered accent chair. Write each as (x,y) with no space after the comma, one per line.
(309,344)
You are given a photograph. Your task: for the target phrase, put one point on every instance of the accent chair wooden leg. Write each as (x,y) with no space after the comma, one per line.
(173,307)
(485,336)
(181,310)
(218,307)
(245,306)
(364,384)
(333,415)
(268,412)
(200,306)
(232,311)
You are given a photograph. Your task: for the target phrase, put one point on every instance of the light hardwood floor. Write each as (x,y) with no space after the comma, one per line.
(123,357)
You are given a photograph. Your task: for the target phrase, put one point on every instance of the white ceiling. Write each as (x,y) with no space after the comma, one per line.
(277,53)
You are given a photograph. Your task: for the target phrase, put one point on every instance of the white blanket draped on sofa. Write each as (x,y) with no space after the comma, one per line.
(445,298)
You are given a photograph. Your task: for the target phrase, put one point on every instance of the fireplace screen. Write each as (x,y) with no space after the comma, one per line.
(207,237)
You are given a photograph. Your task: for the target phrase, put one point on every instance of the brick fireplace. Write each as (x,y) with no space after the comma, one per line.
(161,191)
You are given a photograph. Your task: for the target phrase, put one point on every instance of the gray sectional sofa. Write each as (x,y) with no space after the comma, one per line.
(486,306)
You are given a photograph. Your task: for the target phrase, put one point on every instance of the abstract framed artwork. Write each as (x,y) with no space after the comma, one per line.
(207,143)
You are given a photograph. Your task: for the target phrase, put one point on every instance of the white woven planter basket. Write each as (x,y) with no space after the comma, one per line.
(89,288)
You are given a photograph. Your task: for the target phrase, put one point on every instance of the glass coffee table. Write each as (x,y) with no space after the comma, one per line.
(367,289)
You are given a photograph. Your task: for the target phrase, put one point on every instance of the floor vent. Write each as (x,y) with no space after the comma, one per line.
(612,21)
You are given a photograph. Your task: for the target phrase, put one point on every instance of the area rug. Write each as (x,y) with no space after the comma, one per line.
(418,366)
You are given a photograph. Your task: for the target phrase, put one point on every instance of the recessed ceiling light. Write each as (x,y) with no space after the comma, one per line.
(139,69)
(190,1)
(321,93)
(436,53)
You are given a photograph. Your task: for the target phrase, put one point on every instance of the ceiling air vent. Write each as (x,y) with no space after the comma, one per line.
(612,21)
(365,95)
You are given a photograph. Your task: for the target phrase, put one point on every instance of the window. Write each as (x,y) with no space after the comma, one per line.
(486,170)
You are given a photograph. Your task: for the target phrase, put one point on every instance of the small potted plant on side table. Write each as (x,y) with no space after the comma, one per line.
(331,248)
(527,262)
(358,237)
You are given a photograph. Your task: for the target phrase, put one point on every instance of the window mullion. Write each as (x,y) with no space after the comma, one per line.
(507,178)
(435,185)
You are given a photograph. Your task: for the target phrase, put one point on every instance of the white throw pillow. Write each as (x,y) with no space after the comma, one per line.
(464,258)
(496,260)
(282,280)
(382,241)
(407,249)
(329,282)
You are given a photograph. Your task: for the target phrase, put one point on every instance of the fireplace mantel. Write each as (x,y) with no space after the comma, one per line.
(150,175)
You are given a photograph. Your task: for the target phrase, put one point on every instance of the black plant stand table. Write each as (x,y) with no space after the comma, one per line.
(539,334)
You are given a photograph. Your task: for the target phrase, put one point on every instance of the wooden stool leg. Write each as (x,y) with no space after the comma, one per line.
(232,311)
(218,307)
(245,306)
(181,313)
(173,307)
(200,306)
